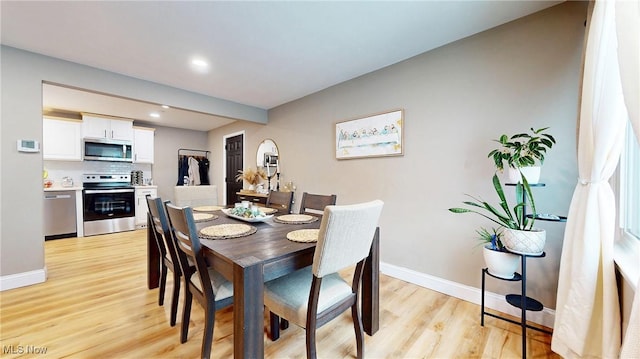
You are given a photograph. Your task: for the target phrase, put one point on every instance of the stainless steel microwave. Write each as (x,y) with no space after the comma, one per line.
(107,150)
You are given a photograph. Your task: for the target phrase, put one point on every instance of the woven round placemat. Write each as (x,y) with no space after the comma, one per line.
(295,219)
(303,235)
(203,217)
(227,230)
(267,210)
(206,208)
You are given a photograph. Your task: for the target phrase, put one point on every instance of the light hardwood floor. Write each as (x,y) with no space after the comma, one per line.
(95,304)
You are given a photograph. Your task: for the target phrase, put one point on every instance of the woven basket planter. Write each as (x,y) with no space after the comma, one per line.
(524,242)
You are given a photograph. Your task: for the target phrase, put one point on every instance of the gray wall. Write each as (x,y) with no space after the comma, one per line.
(21,232)
(456,100)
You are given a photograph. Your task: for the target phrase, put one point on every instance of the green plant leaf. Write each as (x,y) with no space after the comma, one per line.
(532,202)
(503,200)
(519,208)
(520,135)
(539,130)
(546,142)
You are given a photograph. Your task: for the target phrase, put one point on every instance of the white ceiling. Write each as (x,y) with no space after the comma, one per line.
(261,53)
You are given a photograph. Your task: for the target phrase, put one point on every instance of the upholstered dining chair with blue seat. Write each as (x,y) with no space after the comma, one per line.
(168,255)
(208,286)
(313,296)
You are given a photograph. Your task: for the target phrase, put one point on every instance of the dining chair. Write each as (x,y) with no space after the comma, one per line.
(313,296)
(282,201)
(168,256)
(208,286)
(315,203)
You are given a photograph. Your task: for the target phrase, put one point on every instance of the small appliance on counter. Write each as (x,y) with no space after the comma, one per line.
(137,178)
(67,181)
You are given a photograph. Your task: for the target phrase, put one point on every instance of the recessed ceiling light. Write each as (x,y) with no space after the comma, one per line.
(154,115)
(199,64)
(165,106)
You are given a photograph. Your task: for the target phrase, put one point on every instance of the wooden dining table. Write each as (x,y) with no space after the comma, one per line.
(265,255)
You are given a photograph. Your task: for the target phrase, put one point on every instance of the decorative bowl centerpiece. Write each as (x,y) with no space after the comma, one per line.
(247,214)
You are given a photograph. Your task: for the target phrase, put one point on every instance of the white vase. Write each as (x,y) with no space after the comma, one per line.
(500,264)
(524,242)
(531,173)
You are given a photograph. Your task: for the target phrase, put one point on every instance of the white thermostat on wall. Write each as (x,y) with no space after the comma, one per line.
(28,146)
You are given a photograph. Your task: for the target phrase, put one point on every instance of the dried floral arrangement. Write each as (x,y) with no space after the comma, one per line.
(253,177)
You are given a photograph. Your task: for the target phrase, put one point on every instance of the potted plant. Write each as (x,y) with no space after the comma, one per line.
(518,234)
(522,151)
(253,177)
(500,262)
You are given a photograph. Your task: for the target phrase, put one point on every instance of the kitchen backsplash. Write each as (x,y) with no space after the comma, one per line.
(75,169)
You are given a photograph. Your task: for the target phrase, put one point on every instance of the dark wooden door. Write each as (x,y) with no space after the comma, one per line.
(233,150)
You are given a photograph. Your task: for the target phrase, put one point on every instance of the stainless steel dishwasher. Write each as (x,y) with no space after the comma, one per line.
(59,214)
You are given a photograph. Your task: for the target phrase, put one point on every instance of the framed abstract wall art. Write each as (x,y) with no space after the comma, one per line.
(371,136)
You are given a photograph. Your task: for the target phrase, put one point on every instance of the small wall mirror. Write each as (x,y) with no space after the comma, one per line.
(268,156)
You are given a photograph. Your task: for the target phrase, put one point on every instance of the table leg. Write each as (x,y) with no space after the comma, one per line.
(248,310)
(153,257)
(371,288)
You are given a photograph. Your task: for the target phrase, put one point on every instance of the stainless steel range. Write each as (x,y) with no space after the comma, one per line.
(108,202)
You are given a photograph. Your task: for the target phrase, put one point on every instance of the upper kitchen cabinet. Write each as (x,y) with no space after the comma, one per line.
(105,127)
(61,139)
(143,144)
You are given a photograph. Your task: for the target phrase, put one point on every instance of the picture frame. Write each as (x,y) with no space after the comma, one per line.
(375,135)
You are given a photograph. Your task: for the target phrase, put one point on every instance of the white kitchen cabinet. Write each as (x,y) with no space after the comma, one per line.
(143,144)
(141,204)
(61,139)
(104,127)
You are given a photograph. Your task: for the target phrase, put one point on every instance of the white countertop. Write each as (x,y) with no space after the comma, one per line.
(60,188)
(80,188)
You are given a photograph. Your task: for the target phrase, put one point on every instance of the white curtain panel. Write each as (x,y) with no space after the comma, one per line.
(628,36)
(587,320)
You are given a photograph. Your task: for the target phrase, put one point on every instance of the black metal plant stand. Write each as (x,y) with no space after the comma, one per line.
(521,300)
(517,300)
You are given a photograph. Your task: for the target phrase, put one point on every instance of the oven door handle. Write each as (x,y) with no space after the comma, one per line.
(101,191)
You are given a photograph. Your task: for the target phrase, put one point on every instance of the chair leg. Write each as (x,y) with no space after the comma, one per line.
(163,283)
(209,319)
(186,314)
(274,323)
(311,342)
(175,297)
(357,324)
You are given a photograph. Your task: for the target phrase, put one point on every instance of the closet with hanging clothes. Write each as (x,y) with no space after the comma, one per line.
(193,167)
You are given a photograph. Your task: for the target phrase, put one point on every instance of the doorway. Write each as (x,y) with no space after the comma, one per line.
(234,153)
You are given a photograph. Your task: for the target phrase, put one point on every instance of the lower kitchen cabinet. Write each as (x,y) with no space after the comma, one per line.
(141,204)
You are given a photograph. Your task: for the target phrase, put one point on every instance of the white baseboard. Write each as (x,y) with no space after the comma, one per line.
(493,301)
(23,279)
